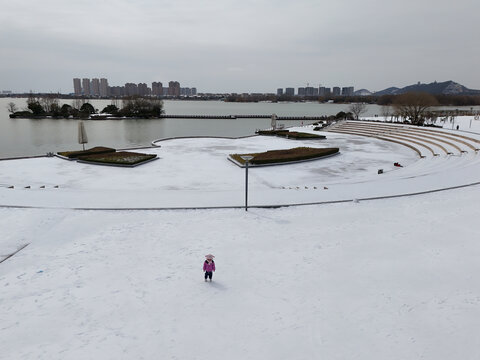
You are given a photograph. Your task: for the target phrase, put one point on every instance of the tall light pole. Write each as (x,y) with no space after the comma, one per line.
(246,158)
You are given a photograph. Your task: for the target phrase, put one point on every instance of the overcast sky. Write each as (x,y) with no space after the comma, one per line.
(239,45)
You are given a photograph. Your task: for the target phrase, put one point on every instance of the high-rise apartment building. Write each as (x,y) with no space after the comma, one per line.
(143,89)
(301,91)
(186,91)
(336,91)
(173,88)
(290,91)
(95,87)
(347,91)
(104,89)
(309,91)
(131,89)
(157,89)
(279,92)
(77,87)
(116,91)
(86,87)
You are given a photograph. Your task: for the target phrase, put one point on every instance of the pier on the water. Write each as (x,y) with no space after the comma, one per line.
(241,117)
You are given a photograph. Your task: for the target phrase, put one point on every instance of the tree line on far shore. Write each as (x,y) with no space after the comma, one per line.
(443,100)
(49,105)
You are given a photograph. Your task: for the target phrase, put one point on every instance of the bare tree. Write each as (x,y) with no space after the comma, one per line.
(386,112)
(414,106)
(77,103)
(452,120)
(33,104)
(115,102)
(49,102)
(431,117)
(11,107)
(32,99)
(357,109)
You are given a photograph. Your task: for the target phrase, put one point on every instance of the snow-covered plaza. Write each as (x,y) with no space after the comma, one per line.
(381,266)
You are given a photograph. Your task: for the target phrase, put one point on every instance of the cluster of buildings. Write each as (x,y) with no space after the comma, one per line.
(317,91)
(100,88)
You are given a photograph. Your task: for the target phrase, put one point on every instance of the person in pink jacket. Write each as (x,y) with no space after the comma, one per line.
(209,266)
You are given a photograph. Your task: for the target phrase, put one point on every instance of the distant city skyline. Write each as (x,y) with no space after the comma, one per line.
(100,88)
(370,44)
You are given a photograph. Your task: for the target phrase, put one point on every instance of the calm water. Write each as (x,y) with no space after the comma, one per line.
(24,137)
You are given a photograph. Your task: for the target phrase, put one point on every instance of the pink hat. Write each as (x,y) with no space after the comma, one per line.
(209,256)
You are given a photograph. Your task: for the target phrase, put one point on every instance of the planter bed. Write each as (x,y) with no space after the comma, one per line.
(276,157)
(290,134)
(92,151)
(270,132)
(121,158)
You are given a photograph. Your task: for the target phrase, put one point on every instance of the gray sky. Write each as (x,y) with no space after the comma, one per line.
(239,46)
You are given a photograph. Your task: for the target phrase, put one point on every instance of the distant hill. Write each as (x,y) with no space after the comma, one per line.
(362,92)
(435,88)
(389,91)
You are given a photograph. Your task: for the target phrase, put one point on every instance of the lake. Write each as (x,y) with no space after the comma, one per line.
(27,137)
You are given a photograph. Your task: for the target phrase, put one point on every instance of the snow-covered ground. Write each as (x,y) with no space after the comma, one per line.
(196,173)
(384,279)
(189,171)
(464,123)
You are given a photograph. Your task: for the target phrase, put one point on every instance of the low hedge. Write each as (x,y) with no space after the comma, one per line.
(271,132)
(118,158)
(287,155)
(22,114)
(92,151)
(290,134)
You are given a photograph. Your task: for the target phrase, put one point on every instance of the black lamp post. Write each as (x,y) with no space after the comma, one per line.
(246,158)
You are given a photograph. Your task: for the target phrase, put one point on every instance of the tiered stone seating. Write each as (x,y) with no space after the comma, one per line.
(413,137)
(425,132)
